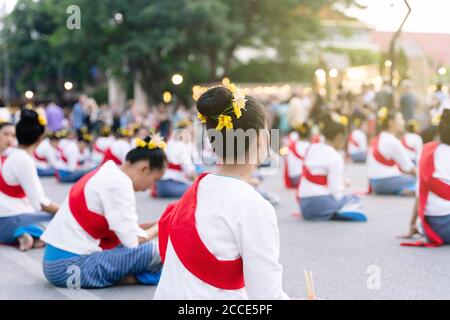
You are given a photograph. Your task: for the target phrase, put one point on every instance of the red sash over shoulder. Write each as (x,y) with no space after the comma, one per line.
(97,148)
(110,156)
(178,224)
(11,191)
(316,179)
(91,222)
(428,184)
(405,144)
(173,166)
(352,141)
(378,156)
(38,157)
(292,146)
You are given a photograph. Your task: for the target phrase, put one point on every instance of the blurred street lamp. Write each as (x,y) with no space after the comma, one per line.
(68,85)
(177,79)
(167,97)
(333,73)
(442,71)
(320,73)
(29,94)
(118,17)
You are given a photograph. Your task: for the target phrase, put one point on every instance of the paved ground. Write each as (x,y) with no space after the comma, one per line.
(341,255)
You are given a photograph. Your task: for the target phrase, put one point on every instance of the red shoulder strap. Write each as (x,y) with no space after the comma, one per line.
(316,179)
(405,144)
(110,156)
(173,166)
(178,224)
(93,223)
(96,148)
(426,171)
(352,141)
(293,148)
(38,157)
(378,156)
(11,191)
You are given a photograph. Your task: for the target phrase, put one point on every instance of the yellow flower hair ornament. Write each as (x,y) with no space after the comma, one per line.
(42,120)
(343,120)
(415,124)
(383,113)
(238,103)
(156,142)
(436,120)
(201,117)
(87,137)
(224,122)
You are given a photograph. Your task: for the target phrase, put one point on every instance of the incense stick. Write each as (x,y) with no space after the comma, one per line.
(309,284)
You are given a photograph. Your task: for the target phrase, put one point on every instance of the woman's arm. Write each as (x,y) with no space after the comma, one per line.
(413,230)
(152,232)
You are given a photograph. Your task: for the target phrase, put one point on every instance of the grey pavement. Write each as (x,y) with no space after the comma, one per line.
(349,260)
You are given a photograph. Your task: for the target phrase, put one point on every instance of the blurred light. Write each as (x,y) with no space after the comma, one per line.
(118,17)
(177,79)
(388,63)
(442,71)
(284,151)
(226,81)
(68,85)
(320,73)
(29,94)
(333,73)
(167,97)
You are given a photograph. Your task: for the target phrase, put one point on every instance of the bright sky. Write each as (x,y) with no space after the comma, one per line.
(426,16)
(386,15)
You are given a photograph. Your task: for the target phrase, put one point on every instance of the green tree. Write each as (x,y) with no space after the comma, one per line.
(153,39)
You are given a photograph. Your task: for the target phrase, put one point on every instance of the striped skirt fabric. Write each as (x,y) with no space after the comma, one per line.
(103,269)
(13,227)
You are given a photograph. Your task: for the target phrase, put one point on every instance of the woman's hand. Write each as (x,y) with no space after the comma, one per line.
(52,208)
(413,230)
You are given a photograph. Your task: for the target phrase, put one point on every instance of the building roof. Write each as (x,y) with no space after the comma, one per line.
(435,45)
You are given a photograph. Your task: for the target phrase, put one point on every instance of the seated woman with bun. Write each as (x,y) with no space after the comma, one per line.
(433,196)
(46,155)
(321,191)
(75,158)
(221,239)
(24,208)
(97,226)
(293,163)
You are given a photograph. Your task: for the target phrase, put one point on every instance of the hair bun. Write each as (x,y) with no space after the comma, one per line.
(29,116)
(214,101)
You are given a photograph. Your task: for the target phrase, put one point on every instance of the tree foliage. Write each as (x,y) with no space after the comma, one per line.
(153,39)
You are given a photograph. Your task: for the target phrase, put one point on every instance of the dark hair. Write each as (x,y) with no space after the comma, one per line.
(330,128)
(214,102)
(303,130)
(156,157)
(444,127)
(5,124)
(28,129)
